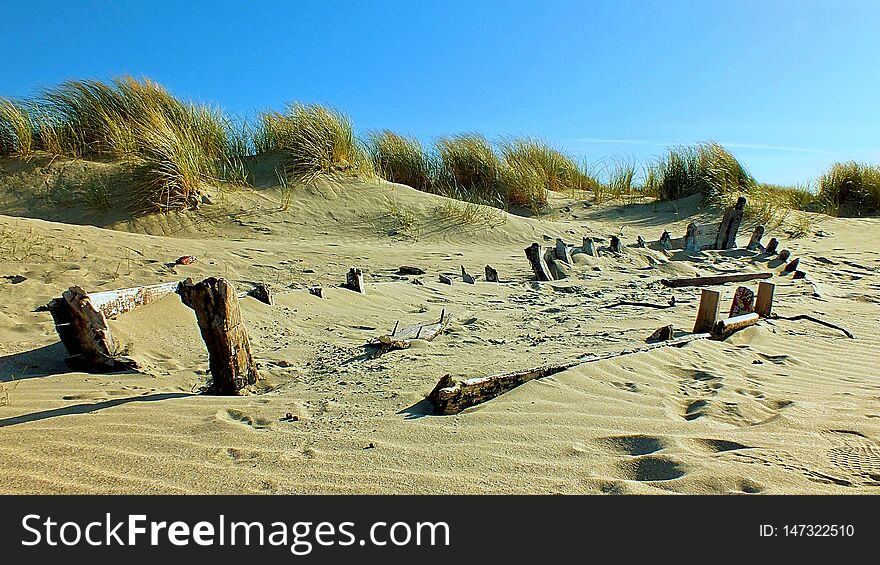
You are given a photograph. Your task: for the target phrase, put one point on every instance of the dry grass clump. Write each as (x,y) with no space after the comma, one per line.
(315,141)
(16,129)
(850,189)
(402,160)
(707,169)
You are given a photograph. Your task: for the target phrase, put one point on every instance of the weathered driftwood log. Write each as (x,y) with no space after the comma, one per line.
(764,300)
(589,247)
(670,304)
(615,245)
(730,222)
(354,280)
(661,334)
(407,270)
(451,396)
(445,280)
(562,252)
(115,302)
(665,240)
(263,293)
(317,291)
(814,320)
(219,317)
(403,338)
(755,240)
(690,237)
(465,277)
(84,331)
(771,246)
(791,266)
(710,303)
(491,274)
(784,255)
(714,279)
(743,302)
(536,259)
(728,326)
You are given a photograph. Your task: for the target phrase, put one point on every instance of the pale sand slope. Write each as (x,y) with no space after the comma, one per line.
(786,407)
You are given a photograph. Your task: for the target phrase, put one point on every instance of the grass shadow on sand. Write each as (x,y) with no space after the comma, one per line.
(87,408)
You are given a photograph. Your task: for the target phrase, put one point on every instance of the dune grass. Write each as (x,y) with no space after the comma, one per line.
(708,169)
(850,189)
(401,159)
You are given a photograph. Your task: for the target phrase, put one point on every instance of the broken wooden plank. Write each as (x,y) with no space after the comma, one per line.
(263,293)
(791,266)
(743,302)
(710,302)
(771,246)
(714,279)
(661,334)
(589,247)
(784,255)
(445,280)
(451,396)
(407,270)
(730,222)
(799,275)
(115,302)
(354,280)
(724,328)
(670,304)
(536,259)
(697,237)
(491,274)
(403,338)
(755,240)
(764,300)
(465,277)
(219,317)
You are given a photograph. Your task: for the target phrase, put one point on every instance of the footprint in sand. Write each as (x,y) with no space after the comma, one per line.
(650,468)
(633,444)
(238,417)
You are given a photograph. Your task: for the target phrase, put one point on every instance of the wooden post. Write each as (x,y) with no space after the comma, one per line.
(784,255)
(562,252)
(589,247)
(219,317)
(799,275)
(764,301)
(354,280)
(666,240)
(710,301)
(771,246)
(263,293)
(445,280)
(743,302)
(536,259)
(755,241)
(84,331)
(726,238)
(465,277)
(792,266)
(316,291)
(690,237)
(615,246)
(491,274)
(640,241)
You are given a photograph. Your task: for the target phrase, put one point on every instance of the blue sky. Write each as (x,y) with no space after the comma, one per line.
(788,86)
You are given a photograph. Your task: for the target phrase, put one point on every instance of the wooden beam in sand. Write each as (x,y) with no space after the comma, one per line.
(562,252)
(714,279)
(764,300)
(755,240)
(710,302)
(536,260)
(491,274)
(403,338)
(726,238)
(451,396)
(115,302)
(724,328)
(219,316)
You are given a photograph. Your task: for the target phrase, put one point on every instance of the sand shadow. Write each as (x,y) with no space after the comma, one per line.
(41,362)
(420,409)
(87,408)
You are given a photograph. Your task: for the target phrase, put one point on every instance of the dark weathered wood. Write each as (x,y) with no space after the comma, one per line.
(403,338)
(799,275)
(465,277)
(730,222)
(219,316)
(665,240)
(407,270)
(764,300)
(690,237)
(316,291)
(354,280)
(814,320)
(755,240)
(615,245)
(714,279)
(743,302)
(710,303)
(661,334)
(771,246)
(116,302)
(84,332)
(640,304)
(445,280)
(640,241)
(536,259)
(724,328)
(451,396)
(589,247)
(562,252)
(491,274)
(791,266)
(263,293)
(784,255)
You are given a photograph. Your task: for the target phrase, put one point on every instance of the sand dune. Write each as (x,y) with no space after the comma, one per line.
(784,407)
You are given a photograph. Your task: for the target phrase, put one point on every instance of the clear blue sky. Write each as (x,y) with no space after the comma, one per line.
(788,86)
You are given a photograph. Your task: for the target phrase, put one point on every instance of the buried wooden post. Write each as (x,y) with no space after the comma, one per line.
(219,317)
(665,240)
(755,241)
(562,252)
(710,301)
(743,302)
(84,331)
(465,277)
(263,293)
(589,247)
(764,300)
(536,259)
(640,242)
(726,238)
(615,245)
(690,237)
(354,280)
(792,266)
(491,274)
(771,246)
(784,255)
(724,328)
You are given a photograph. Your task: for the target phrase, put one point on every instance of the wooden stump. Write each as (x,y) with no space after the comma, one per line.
(784,255)
(615,246)
(354,280)
(755,240)
(589,247)
(219,317)
(491,274)
(743,302)
(640,241)
(661,334)
(466,277)
(792,266)
(263,293)
(726,238)
(445,280)
(84,331)
(562,252)
(764,301)
(799,275)
(690,238)
(317,291)
(665,241)
(536,259)
(771,246)
(710,301)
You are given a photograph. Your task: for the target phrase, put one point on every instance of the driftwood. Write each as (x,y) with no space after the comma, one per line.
(771,246)
(615,245)
(755,240)
(466,277)
(491,274)
(219,317)
(791,266)
(84,332)
(536,259)
(726,238)
(764,300)
(451,396)
(665,240)
(784,255)
(354,280)
(743,302)
(445,280)
(407,270)
(815,320)
(799,275)
(640,241)
(402,338)
(115,302)
(562,252)
(710,302)
(316,291)
(661,334)
(714,279)
(670,304)
(724,328)
(263,293)
(589,247)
